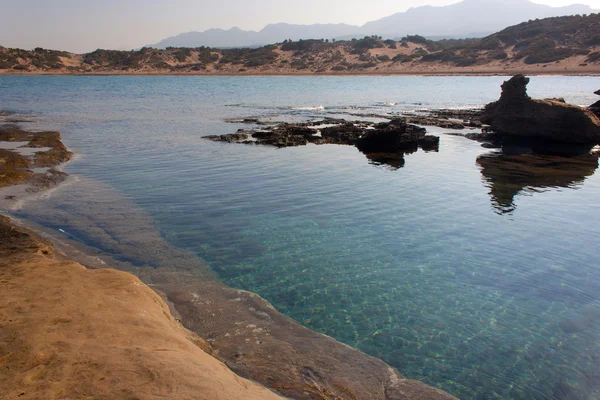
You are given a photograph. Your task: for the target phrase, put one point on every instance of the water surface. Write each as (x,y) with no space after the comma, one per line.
(459,269)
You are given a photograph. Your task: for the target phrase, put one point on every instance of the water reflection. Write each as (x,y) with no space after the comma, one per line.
(393,161)
(513,171)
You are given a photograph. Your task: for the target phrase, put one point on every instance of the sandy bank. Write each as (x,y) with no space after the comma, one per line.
(70,332)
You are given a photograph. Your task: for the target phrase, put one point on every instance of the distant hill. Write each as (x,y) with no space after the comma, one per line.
(554,45)
(469,18)
(273,33)
(461,19)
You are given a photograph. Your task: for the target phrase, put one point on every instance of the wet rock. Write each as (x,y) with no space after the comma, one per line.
(516,114)
(449,119)
(383,143)
(595,108)
(346,133)
(280,138)
(230,138)
(395,136)
(294,130)
(429,142)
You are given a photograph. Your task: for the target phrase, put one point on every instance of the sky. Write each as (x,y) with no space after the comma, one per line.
(85,25)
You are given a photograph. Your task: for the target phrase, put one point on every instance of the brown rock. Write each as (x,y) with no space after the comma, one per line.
(516,114)
(70,332)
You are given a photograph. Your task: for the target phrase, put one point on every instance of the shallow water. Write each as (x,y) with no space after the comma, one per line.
(460,269)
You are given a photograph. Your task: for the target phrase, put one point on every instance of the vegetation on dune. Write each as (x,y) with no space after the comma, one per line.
(534,42)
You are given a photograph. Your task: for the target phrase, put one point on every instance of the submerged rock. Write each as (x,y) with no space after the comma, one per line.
(518,115)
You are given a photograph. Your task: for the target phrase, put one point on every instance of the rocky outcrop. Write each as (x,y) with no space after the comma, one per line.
(24,154)
(395,136)
(595,108)
(383,143)
(516,114)
(346,133)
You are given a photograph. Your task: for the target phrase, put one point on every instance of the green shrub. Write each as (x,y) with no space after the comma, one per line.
(368,42)
(498,55)
(418,39)
(550,55)
(490,43)
(419,52)
(594,41)
(403,58)
(593,57)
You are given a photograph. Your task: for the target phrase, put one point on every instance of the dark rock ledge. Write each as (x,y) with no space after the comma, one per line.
(380,142)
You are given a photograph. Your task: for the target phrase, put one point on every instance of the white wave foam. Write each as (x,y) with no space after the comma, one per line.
(310,108)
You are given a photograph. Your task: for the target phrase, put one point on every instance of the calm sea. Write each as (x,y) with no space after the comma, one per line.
(472,270)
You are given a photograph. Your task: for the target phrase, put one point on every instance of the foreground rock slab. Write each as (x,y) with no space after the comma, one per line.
(518,115)
(70,332)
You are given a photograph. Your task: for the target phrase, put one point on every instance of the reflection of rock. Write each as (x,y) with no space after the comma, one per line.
(509,174)
(388,142)
(393,160)
(516,114)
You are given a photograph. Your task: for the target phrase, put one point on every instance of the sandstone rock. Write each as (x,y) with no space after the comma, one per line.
(516,114)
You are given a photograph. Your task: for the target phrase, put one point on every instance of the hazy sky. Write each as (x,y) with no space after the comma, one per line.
(85,25)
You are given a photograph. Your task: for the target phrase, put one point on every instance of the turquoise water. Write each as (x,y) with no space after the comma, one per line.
(470,276)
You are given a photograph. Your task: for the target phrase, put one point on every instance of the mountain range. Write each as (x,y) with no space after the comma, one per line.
(469,18)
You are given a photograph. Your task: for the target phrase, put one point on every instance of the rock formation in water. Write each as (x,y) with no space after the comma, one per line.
(383,143)
(31,153)
(519,116)
(595,108)
(396,136)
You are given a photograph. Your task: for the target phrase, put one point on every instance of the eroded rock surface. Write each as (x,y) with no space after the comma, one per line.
(70,332)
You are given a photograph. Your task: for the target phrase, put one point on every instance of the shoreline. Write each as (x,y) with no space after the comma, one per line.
(325,74)
(238,328)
